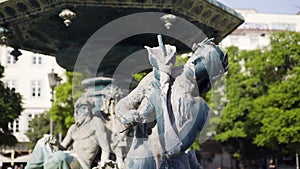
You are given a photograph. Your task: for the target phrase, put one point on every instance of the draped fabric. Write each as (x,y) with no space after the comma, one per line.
(43,157)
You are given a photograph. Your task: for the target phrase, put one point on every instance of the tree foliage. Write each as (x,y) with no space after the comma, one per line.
(40,125)
(262,114)
(10,109)
(280,105)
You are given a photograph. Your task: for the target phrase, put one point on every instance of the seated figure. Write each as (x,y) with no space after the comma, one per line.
(87,135)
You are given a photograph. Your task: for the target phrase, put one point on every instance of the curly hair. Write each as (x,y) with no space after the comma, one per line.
(90,102)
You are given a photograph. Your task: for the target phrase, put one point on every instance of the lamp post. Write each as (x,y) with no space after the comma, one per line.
(297,161)
(53,80)
(67,15)
(3,35)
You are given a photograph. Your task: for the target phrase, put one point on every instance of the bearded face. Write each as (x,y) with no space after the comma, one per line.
(82,113)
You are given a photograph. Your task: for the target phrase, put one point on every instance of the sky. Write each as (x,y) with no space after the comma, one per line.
(266,6)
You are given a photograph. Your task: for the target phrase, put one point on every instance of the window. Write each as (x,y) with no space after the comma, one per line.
(10,59)
(11,84)
(40,60)
(36,88)
(36,60)
(29,119)
(17,126)
(14,126)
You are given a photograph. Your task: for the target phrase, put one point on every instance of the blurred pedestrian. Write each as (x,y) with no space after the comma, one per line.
(272,164)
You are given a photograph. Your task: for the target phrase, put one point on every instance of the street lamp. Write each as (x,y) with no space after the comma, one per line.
(53,81)
(168,20)
(67,15)
(3,35)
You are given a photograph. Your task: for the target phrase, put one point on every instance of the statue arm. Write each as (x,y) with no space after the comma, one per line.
(129,109)
(145,112)
(68,139)
(102,139)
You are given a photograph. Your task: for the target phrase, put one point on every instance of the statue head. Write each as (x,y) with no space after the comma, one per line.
(206,65)
(160,61)
(83,110)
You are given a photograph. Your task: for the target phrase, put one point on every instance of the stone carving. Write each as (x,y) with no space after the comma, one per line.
(94,114)
(166,108)
(165,111)
(88,134)
(106,95)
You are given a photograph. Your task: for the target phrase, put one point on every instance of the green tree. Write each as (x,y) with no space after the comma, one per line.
(280,105)
(262,114)
(40,125)
(10,109)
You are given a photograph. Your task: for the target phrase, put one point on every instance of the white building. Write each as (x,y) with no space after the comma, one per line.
(29,76)
(256,30)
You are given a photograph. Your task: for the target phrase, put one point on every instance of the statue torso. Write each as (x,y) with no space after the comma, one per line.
(85,141)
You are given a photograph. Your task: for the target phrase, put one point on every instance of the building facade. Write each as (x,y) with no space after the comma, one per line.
(29,77)
(255,32)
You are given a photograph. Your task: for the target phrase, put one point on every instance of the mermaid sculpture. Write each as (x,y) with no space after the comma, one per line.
(166,109)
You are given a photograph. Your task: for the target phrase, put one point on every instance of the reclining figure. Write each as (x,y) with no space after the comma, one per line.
(88,134)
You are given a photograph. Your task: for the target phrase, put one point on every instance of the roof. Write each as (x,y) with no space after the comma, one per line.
(35,25)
